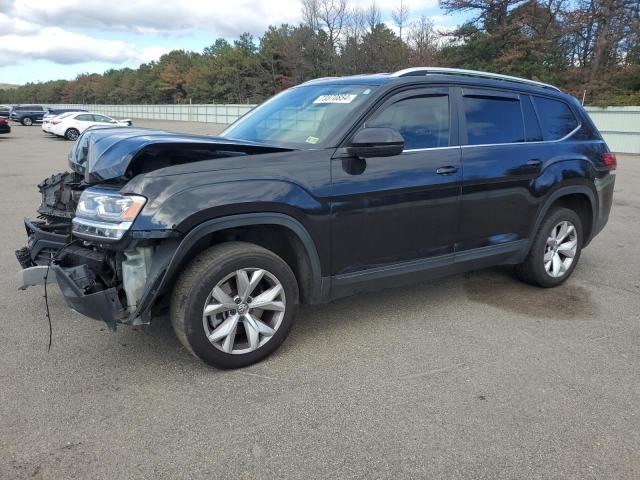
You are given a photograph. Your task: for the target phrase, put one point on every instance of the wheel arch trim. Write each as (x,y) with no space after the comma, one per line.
(155,286)
(556,195)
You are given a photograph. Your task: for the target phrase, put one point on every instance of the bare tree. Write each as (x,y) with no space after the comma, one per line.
(333,16)
(311,14)
(373,16)
(423,42)
(400,16)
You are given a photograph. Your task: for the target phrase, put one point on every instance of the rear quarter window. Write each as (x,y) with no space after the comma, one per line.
(556,118)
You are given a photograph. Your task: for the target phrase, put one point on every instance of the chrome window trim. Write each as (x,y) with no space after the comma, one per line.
(566,137)
(429,148)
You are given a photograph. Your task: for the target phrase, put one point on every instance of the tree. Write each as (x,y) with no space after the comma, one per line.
(400,16)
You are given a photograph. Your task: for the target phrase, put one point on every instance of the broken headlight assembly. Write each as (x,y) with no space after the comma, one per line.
(105,215)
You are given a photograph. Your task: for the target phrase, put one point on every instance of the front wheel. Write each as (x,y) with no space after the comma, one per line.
(27,121)
(234,304)
(555,250)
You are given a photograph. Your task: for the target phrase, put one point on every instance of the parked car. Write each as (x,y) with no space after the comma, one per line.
(333,187)
(4,125)
(71,125)
(47,120)
(5,111)
(27,114)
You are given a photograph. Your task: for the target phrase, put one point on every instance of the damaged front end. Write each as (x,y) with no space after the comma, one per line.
(100,274)
(84,237)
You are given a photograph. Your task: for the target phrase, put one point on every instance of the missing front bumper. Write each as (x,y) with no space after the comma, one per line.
(74,284)
(102,305)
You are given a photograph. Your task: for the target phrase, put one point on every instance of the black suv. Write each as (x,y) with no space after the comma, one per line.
(337,186)
(27,114)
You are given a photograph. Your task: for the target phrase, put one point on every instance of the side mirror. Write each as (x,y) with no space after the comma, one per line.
(376,142)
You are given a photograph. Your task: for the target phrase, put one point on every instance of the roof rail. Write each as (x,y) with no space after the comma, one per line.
(416,71)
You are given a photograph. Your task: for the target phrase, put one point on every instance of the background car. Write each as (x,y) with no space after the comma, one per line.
(71,125)
(27,114)
(58,113)
(4,125)
(4,111)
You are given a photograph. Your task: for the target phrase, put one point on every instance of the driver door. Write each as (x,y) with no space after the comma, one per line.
(390,212)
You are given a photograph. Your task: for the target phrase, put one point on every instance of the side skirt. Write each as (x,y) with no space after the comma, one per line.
(405,273)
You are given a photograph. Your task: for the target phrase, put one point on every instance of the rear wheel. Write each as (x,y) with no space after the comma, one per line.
(234,304)
(555,250)
(72,134)
(27,121)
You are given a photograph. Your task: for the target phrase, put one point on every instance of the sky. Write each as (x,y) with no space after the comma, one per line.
(44,40)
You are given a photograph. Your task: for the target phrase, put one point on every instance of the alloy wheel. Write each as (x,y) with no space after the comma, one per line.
(561,249)
(244,310)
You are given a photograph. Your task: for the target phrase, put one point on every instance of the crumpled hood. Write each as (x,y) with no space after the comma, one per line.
(102,154)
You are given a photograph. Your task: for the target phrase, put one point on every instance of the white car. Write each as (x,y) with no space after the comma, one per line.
(48,118)
(71,125)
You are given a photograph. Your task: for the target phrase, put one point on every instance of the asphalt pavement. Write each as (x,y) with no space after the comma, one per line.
(472,376)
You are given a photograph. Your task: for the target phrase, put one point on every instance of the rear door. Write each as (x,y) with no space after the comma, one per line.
(502,153)
(388,210)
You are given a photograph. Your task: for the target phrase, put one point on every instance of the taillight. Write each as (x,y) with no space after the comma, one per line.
(610,161)
(56,122)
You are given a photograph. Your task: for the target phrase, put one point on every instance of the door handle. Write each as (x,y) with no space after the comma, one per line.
(448,170)
(534,162)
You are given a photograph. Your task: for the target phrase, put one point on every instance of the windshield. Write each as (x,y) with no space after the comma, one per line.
(299,117)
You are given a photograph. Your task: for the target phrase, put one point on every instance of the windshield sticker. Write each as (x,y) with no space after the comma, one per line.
(367,91)
(312,140)
(337,98)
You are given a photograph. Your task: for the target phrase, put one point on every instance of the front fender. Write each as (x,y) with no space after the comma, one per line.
(171,256)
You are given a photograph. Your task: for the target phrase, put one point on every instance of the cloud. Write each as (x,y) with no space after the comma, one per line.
(221,17)
(65,48)
(64,31)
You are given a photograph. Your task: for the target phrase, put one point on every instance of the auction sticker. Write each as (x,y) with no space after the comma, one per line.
(336,98)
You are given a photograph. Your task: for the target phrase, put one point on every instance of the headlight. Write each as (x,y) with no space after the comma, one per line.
(105,214)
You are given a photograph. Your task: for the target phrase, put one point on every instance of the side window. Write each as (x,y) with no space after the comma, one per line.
(422,121)
(492,119)
(85,118)
(531,125)
(101,118)
(556,118)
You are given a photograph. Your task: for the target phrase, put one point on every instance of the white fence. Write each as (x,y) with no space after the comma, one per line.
(185,113)
(620,126)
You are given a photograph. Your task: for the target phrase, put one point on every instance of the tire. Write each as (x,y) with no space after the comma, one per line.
(72,134)
(194,290)
(27,121)
(535,269)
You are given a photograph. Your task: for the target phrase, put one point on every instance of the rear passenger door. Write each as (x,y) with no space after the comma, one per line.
(502,152)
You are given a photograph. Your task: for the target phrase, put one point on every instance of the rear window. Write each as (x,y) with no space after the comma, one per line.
(493,119)
(556,118)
